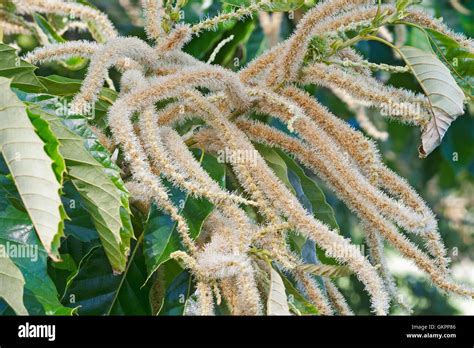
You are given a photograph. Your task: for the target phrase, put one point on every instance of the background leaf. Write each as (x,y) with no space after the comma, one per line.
(97,290)
(11,285)
(161,237)
(21,72)
(329,271)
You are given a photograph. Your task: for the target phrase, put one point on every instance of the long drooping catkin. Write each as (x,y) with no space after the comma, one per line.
(289,64)
(288,206)
(376,250)
(366,155)
(59,51)
(337,299)
(354,200)
(86,13)
(106,57)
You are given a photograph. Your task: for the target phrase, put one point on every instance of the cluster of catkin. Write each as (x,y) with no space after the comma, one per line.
(222,259)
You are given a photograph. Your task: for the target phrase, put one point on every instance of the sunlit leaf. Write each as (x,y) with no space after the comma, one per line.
(277,301)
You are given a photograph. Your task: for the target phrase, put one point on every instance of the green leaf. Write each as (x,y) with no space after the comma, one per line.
(93,28)
(275,162)
(202,46)
(162,280)
(297,303)
(402,5)
(21,72)
(242,32)
(31,169)
(98,181)
(17,233)
(277,303)
(445,96)
(97,290)
(458,59)
(329,271)
(161,236)
(74,63)
(311,191)
(11,284)
(64,86)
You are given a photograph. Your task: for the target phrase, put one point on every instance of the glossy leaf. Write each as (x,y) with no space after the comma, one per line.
(11,284)
(161,237)
(98,181)
(32,169)
(97,290)
(21,72)
(177,294)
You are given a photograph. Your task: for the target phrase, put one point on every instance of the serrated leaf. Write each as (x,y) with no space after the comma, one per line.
(73,63)
(21,72)
(32,169)
(446,98)
(277,301)
(328,271)
(98,181)
(16,231)
(176,295)
(11,285)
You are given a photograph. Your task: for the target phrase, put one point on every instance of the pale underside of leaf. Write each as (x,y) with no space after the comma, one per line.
(328,271)
(277,300)
(31,169)
(445,97)
(11,285)
(101,198)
